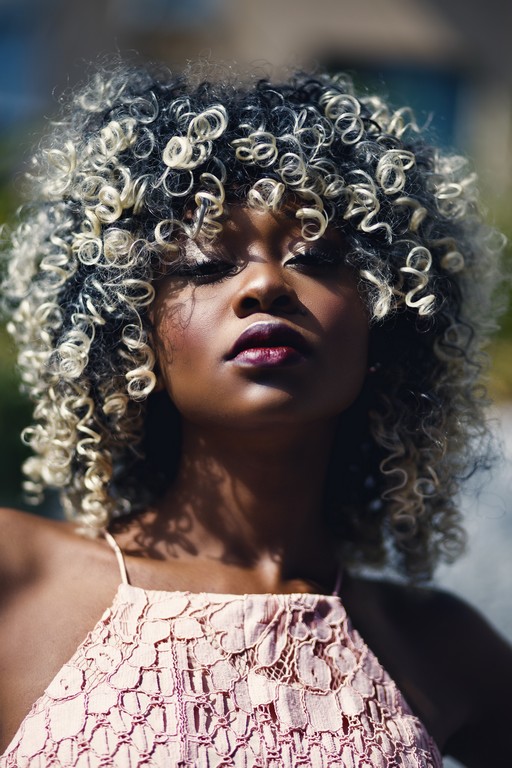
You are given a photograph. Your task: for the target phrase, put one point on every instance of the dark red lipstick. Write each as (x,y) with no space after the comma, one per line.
(268,344)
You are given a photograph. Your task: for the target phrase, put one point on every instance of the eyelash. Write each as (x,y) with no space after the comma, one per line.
(311,261)
(315,259)
(201,273)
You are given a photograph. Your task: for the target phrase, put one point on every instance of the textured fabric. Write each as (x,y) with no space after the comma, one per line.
(174,679)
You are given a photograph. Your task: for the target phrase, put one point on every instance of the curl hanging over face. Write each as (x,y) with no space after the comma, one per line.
(140,160)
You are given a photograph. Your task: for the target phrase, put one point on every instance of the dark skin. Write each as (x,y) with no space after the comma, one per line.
(245,512)
(452,668)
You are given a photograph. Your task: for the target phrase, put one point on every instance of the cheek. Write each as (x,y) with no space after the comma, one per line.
(344,317)
(183,336)
(345,322)
(171,319)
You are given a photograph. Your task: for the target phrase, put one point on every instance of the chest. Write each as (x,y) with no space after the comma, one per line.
(248,680)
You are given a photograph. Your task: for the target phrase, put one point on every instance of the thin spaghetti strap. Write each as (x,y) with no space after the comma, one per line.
(339,579)
(119,555)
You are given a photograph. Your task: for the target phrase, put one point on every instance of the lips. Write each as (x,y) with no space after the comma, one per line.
(269,344)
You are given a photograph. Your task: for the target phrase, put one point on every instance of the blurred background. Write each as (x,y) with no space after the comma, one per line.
(450,59)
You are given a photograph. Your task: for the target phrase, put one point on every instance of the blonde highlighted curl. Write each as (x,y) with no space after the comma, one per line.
(141,159)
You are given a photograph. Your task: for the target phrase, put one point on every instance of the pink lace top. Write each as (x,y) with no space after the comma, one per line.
(179,679)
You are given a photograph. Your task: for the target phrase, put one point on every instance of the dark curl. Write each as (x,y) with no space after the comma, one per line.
(141,159)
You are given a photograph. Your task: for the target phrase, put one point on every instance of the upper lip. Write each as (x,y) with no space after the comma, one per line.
(264,334)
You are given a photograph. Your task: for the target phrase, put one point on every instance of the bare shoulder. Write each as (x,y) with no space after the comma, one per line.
(21,540)
(54,586)
(29,546)
(457,625)
(446,627)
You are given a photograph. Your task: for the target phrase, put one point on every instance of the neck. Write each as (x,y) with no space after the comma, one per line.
(253,500)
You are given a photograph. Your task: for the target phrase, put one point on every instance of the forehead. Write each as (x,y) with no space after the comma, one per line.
(246,223)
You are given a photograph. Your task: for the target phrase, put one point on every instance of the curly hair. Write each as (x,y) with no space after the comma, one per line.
(141,159)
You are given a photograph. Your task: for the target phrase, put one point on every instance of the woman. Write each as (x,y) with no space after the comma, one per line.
(251,320)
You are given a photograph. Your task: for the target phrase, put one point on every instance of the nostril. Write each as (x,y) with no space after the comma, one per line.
(282,301)
(249,303)
(263,292)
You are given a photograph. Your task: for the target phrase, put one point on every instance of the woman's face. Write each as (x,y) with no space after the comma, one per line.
(261,327)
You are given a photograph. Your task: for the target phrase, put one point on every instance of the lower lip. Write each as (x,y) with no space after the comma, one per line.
(266,357)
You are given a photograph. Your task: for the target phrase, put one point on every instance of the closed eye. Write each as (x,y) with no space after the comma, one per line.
(201,272)
(202,264)
(315,260)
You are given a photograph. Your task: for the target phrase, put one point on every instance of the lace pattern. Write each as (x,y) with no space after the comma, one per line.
(188,680)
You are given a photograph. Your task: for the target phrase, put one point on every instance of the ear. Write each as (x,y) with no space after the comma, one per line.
(160,383)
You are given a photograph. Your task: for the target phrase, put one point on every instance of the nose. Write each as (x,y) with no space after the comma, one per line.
(264,288)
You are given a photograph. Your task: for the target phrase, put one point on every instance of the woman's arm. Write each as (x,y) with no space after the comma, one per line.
(452,667)
(19,534)
(484,666)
